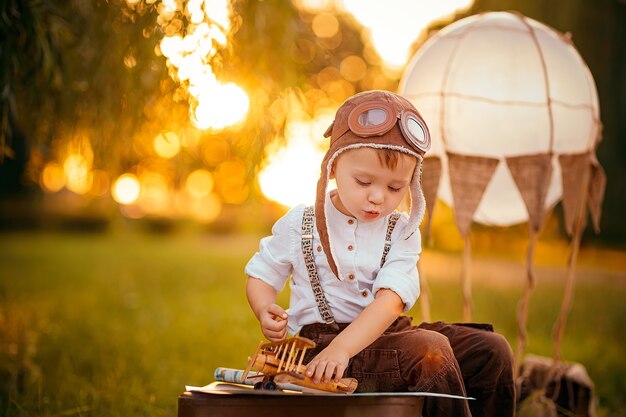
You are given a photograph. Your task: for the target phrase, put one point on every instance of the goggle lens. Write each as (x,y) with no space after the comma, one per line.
(416,132)
(373,117)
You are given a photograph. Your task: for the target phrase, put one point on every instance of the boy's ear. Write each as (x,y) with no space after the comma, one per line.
(331,174)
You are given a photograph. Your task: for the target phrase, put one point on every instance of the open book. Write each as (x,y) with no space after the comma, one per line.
(229,381)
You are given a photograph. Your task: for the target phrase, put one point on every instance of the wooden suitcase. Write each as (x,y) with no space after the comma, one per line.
(196,404)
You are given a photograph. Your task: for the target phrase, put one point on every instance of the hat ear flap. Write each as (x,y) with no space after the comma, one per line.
(418,202)
(320,215)
(329,131)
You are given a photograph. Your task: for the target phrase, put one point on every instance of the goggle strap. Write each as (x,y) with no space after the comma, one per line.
(329,131)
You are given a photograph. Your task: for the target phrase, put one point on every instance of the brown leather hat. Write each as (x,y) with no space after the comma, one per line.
(377,119)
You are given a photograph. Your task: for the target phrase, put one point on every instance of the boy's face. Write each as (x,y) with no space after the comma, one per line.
(366,188)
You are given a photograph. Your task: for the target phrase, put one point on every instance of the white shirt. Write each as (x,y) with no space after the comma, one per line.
(357,248)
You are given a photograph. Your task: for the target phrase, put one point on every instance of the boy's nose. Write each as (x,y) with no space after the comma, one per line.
(376,196)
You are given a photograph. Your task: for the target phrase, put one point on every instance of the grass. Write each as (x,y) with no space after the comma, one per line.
(117,324)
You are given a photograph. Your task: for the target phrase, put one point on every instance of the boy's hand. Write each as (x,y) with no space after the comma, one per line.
(273,320)
(328,365)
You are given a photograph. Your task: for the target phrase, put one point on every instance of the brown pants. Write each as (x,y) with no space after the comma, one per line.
(461,359)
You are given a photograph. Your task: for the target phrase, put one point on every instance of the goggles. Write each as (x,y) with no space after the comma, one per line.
(377,118)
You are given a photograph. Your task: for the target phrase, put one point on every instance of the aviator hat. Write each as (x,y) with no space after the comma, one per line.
(376,119)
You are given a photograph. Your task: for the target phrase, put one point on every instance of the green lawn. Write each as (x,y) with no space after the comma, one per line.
(117,324)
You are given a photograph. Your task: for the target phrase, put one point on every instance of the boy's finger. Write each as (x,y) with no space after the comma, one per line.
(275,325)
(277,311)
(283,333)
(273,336)
(320,369)
(310,368)
(339,372)
(331,369)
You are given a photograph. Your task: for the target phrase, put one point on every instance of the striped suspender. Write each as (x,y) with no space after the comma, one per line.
(307,250)
(391,224)
(308,220)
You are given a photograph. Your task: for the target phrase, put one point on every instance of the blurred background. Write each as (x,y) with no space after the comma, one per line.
(146,146)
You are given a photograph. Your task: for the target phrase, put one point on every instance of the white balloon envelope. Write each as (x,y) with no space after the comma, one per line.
(501,85)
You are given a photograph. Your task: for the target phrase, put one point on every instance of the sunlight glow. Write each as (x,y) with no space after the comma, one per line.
(394,25)
(391,26)
(169,6)
(220,106)
(212,104)
(126,189)
(291,175)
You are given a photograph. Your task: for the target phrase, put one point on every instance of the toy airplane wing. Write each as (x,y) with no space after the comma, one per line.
(344,386)
(288,354)
(282,361)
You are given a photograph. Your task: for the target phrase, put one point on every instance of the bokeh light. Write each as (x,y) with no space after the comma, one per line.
(230,181)
(325,25)
(154,196)
(100,184)
(77,173)
(353,68)
(215,151)
(199,183)
(166,144)
(205,209)
(52,177)
(126,189)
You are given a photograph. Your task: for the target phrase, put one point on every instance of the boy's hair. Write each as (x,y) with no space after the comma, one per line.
(389,157)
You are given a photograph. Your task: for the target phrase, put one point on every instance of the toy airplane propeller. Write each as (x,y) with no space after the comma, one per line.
(281,362)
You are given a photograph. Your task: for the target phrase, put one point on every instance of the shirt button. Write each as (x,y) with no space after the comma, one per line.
(350,221)
(319,248)
(351,277)
(350,247)
(364,293)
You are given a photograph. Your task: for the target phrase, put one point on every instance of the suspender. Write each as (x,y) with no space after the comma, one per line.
(308,219)
(307,250)
(391,224)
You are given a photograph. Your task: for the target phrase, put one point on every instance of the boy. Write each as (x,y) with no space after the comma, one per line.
(352,261)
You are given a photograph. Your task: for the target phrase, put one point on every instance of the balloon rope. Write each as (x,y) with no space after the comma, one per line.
(568,296)
(424,294)
(466,281)
(522,312)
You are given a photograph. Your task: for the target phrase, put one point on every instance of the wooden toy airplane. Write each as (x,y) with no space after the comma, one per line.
(281,362)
